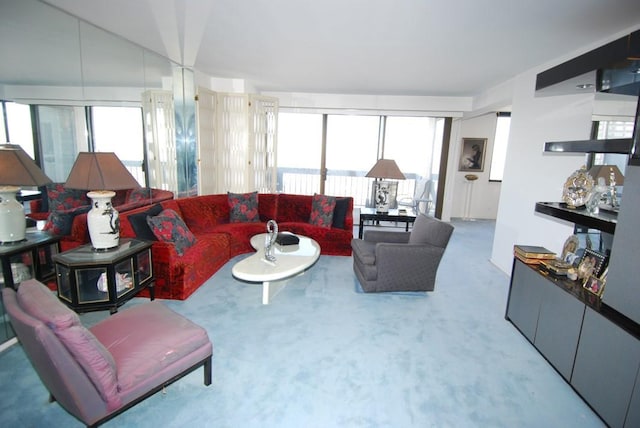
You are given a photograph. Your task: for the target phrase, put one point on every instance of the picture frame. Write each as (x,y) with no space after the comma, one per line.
(591,264)
(472,154)
(595,285)
(570,247)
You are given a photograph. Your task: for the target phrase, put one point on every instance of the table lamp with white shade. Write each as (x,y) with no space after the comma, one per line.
(384,168)
(16,169)
(97,172)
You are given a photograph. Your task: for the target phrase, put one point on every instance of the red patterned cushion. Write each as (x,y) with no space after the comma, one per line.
(139,194)
(169,227)
(62,199)
(322,210)
(243,207)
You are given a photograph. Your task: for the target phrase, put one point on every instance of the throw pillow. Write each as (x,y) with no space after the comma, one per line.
(60,222)
(139,223)
(243,207)
(139,194)
(62,199)
(340,212)
(169,227)
(322,207)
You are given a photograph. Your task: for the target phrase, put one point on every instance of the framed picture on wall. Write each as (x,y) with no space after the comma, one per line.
(472,154)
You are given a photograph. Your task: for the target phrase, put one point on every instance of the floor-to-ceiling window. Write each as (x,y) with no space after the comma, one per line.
(415,144)
(351,149)
(125,139)
(348,145)
(18,128)
(298,152)
(64,131)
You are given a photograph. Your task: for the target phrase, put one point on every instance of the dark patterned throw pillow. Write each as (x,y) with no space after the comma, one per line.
(340,212)
(61,198)
(322,207)
(139,223)
(169,227)
(60,222)
(243,207)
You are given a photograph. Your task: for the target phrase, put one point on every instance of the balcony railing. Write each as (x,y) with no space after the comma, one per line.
(302,181)
(339,183)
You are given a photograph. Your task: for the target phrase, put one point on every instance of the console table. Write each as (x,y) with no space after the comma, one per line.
(393,215)
(90,280)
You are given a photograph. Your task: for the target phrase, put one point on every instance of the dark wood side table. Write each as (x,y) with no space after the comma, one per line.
(90,280)
(31,258)
(393,215)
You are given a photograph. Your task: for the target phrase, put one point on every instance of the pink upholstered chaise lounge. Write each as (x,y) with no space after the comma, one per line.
(97,373)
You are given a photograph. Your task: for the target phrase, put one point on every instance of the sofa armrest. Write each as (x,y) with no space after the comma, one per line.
(386,236)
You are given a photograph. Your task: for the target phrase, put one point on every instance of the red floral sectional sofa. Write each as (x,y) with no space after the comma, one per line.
(217,239)
(65,210)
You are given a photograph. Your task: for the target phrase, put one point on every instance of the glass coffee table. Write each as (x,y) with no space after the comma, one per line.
(291,260)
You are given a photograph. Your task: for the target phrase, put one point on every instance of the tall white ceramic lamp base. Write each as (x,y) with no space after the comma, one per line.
(12,221)
(103,221)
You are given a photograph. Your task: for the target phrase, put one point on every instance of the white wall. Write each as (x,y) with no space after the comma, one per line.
(533,176)
(483,195)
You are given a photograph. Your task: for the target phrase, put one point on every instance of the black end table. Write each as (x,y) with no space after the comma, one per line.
(393,215)
(31,258)
(90,280)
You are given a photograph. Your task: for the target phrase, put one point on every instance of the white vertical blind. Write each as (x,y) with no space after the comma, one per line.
(159,126)
(231,151)
(207,159)
(262,143)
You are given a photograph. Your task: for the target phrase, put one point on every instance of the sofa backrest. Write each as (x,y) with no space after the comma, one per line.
(201,212)
(297,208)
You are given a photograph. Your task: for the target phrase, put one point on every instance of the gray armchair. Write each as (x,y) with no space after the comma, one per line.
(401,261)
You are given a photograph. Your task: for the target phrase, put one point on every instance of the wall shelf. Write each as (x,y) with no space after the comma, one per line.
(605,220)
(614,145)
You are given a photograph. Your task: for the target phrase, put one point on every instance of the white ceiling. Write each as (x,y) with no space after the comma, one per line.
(379,47)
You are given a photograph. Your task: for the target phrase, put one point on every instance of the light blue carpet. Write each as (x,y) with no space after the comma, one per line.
(324,354)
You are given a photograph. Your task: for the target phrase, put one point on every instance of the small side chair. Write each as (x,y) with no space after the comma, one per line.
(401,261)
(97,373)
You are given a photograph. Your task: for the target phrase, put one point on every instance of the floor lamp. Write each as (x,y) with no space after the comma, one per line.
(16,169)
(97,171)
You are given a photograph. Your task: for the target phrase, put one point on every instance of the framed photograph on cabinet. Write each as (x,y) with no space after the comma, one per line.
(595,285)
(472,154)
(591,264)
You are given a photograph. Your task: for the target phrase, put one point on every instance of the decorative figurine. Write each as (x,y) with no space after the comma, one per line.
(270,240)
(577,189)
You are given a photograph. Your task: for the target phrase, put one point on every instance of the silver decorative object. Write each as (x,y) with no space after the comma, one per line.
(577,189)
(270,240)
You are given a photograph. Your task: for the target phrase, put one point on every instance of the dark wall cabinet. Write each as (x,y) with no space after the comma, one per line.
(606,368)
(583,340)
(546,315)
